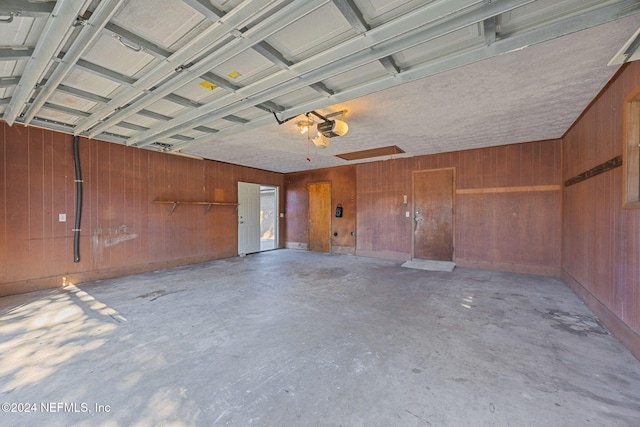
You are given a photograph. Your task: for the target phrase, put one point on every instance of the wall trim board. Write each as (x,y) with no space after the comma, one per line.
(539,270)
(78,278)
(494,190)
(627,336)
(595,171)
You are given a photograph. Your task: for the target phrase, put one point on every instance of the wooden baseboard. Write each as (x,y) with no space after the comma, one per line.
(396,256)
(296,245)
(343,250)
(540,270)
(31,285)
(627,336)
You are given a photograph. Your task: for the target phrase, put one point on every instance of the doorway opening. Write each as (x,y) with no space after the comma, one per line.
(268,218)
(257,218)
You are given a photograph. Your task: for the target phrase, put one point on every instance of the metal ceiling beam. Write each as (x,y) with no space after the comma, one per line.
(195,47)
(205,7)
(489,26)
(181,100)
(66,110)
(390,65)
(500,47)
(135,42)
(265,28)
(272,54)
(26,8)
(11,54)
(403,32)
(9,81)
(153,115)
(219,81)
(58,25)
(105,72)
(88,34)
(353,15)
(82,94)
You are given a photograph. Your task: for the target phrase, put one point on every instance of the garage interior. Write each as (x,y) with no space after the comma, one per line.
(501,137)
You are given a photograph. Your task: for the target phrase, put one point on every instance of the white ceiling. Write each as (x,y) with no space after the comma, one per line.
(205,78)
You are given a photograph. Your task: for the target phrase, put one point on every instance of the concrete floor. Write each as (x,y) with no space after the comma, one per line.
(293,338)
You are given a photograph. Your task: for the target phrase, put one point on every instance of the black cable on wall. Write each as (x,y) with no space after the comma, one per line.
(78,180)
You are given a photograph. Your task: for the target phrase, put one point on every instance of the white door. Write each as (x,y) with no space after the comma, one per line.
(248,218)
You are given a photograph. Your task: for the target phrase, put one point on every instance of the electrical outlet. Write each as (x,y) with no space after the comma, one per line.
(407,214)
(62,217)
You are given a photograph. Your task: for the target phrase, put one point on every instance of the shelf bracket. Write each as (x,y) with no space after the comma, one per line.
(206,210)
(173,208)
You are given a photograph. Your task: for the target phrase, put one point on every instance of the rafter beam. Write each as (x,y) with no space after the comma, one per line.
(12,54)
(489,26)
(26,8)
(105,72)
(205,7)
(88,34)
(352,14)
(135,42)
(500,47)
(263,29)
(186,54)
(58,24)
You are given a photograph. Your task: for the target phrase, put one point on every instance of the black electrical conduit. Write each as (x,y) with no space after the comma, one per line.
(78,180)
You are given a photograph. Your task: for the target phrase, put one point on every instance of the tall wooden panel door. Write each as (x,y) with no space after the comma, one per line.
(433,193)
(319,216)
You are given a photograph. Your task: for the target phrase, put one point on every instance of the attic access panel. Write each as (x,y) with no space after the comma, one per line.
(374,152)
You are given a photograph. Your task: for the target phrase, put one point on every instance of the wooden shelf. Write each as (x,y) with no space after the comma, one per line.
(208,205)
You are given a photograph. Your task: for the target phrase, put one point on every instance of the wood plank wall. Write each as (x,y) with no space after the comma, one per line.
(508,205)
(123,231)
(601,241)
(343,192)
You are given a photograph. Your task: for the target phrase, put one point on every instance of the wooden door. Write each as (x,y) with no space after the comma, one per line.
(433,214)
(319,216)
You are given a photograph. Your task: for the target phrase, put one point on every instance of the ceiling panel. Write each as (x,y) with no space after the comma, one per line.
(129,62)
(542,11)
(312,33)
(379,11)
(163,22)
(430,76)
(448,44)
(89,82)
(244,68)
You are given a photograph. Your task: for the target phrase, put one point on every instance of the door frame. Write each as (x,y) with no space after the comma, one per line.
(453,205)
(276,214)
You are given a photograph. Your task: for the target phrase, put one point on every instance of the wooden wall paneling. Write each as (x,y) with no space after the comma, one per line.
(37,209)
(17,203)
(105,210)
(383,228)
(632,271)
(91,216)
(511,165)
(296,210)
(131,219)
(600,240)
(117,205)
(3,201)
(49,170)
(527,175)
(157,213)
